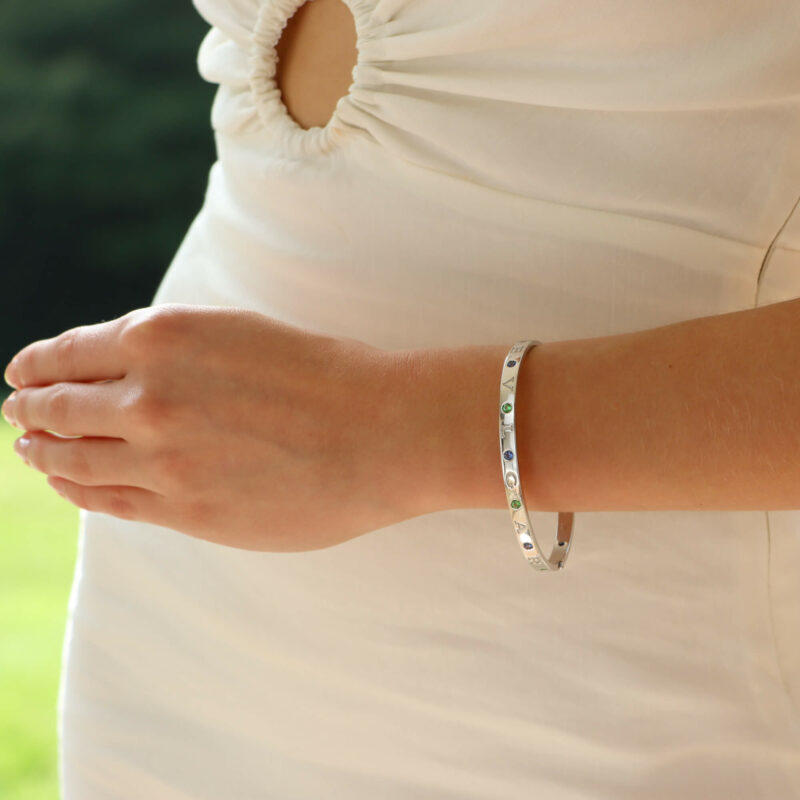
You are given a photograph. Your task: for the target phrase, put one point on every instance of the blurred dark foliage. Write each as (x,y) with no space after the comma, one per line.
(105,147)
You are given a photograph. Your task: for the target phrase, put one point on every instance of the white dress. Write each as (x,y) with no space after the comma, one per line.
(499,170)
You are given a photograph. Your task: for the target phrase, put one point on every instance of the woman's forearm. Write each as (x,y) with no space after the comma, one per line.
(702,414)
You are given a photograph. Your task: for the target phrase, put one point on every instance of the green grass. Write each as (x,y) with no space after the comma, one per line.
(38,538)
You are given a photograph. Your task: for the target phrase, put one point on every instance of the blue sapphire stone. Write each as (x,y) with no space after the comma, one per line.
(508,455)
(527,545)
(510,363)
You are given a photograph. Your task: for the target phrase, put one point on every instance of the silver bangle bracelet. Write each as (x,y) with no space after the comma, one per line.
(511,476)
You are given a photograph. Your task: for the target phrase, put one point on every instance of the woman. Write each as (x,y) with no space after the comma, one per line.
(303,581)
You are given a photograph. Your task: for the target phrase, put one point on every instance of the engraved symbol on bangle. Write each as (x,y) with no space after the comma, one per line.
(511,480)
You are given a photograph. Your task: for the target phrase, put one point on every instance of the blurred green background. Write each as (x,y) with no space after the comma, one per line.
(37,554)
(105,147)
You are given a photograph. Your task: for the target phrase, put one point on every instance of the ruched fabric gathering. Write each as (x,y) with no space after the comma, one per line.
(273,16)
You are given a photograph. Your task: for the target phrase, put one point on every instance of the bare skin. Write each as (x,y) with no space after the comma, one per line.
(316,55)
(230,426)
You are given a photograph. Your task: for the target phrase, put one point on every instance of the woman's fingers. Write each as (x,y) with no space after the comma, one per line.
(88,461)
(85,353)
(126,502)
(72,409)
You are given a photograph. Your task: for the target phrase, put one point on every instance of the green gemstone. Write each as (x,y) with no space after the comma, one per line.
(515,504)
(506,407)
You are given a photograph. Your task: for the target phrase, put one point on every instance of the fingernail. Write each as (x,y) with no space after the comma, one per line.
(11,377)
(8,408)
(21,447)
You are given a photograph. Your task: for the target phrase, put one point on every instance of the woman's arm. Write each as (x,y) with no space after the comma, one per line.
(235,427)
(702,414)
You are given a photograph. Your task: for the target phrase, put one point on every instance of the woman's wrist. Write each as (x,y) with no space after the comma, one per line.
(444,417)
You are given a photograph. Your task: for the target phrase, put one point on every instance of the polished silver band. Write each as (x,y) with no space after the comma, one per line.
(511,477)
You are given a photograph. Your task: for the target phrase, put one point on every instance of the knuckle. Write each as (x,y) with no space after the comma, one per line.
(137,337)
(78,468)
(148,330)
(58,404)
(65,346)
(149,412)
(119,505)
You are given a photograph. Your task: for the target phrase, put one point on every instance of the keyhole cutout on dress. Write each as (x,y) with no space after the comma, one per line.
(316,55)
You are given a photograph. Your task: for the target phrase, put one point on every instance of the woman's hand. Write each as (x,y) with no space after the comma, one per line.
(223,424)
